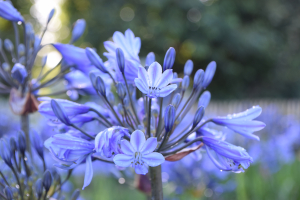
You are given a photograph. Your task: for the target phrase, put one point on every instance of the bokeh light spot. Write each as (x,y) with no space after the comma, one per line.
(127,14)
(194,15)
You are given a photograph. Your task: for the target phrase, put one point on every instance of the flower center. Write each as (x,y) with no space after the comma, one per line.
(138,159)
(153,91)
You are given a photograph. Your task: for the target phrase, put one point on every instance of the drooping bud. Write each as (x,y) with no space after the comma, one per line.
(204,99)
(95,59)
(100,86)
(198,116)
(47,180)
(8,45)
(37,143)
(21,50)
(19,73)
(21,142)
(188,67)
(93,78)
(5,66)
(50,15)
(169,117)
(38,186)
(60,113)
(75,195)
(120,59)
(169,59)
(176,100)
(209,73)
(198,79)
(121,90)
(185,82)
(111,98)
(8,12)
(5,152)
(150,59)
(78,30)
(8,193)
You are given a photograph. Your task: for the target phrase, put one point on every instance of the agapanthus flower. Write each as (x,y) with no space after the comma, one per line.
(230,157)
(138,153)
(108,141)
(71,151)
(7,11)
(153,82)
(243,122)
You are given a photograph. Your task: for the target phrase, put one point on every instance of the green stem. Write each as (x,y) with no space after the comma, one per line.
(25,129)
(156,183)
(19,183)
(149,118)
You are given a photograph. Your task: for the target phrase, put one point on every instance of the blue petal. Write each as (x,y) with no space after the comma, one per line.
(167,90)
(141,169)
(165,78)
(153,159)
(88,172)
(154,73)
(150,145)
(137,140)
(127,148)
(141,85)
(123,160)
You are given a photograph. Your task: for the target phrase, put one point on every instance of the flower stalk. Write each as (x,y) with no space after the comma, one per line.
(156,183)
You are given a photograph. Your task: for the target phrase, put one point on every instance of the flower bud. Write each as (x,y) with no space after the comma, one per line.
(29,30)
(204,99)
(198,79)
(21,50)
(126,102)
(38,186)
(121,90)
(47,180)
(100,86)
(19,73)
(5,66)
(176,100)
(13,146)
(198,116)
(8,12)
(188,67)
(150,59)
(209,73)
(8,45)
(75,195)
(111,98)
(5,152)
(8,193)
(185,82)
(169,59)
(120,59)
(50,15)
(21,142)
(95,59)
(22,60)
(60,113)
(37,143)
(169,117)
(93,78)
(78,30)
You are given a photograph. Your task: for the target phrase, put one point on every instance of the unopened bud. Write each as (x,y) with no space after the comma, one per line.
(5,66)
(19,73)
(38,186)
(121,90)
(188,67)
(185,82)
(5,152)
(13,146)
(22,142)
(204,99)
(209,73)
(100,86)
(95,59)
(176,100)
(50,15)
(21,50)
(47,180)
(198,116)
(8,193)
(60,113)
(120,59)
(78,30)
(8,45)
(169,59)
(169,117)
(198,79)
(150,59)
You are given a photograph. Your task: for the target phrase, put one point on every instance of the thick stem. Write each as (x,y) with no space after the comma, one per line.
(25,129)
(156,183)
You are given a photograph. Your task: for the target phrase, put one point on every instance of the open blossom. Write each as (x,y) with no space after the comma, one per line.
(139,153)
(153,82)
(243,122)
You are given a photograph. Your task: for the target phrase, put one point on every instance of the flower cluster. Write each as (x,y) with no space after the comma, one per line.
(148,120)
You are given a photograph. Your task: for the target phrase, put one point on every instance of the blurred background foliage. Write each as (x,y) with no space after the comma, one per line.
(255,43)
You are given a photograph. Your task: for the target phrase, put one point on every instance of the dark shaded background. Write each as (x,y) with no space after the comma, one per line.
(255,43)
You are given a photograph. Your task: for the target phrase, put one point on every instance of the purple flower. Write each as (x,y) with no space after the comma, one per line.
(153,82)
(139,153)
(108,141)
(130,46)
(229,157)
(71,151)
(243,122)
(7,11)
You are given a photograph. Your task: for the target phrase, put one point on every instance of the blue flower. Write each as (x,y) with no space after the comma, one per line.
(7,11)
(243,122)
(139,153)
(130,46)
(230,157)
(108,141)
(154,83)
(71,151)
